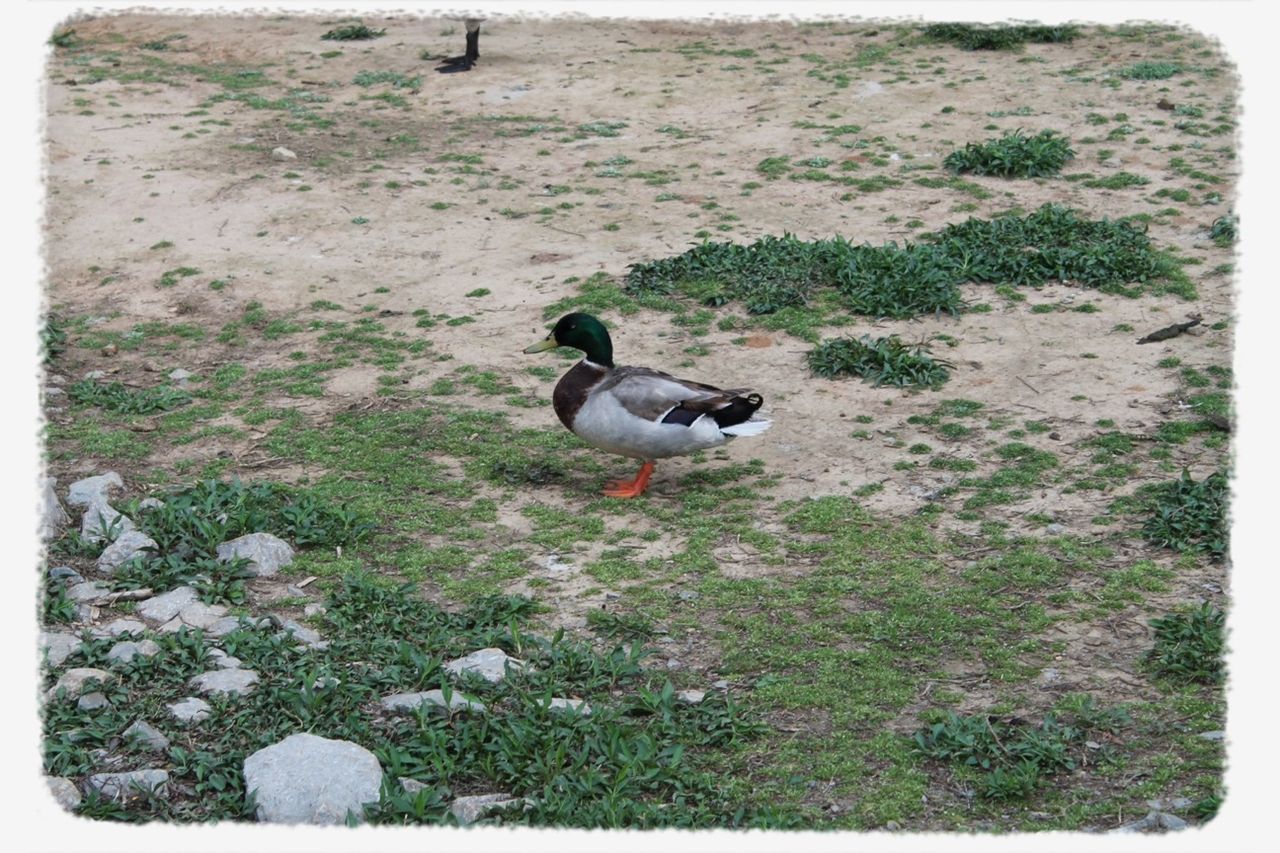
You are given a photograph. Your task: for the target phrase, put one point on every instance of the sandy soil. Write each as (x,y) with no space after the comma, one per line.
(124,177)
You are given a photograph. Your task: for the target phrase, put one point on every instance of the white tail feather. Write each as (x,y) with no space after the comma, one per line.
(751,427)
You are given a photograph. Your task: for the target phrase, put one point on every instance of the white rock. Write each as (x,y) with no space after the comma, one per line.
(266,553)
(283,153)
(189,710)
(93,490)
(234,681)
(126,546)
(181,377)
(121,626)
(411,786)
(201,615)
(88,591)
(148,735)
(691,697)
(164,607)
(490,664)
(310,779)
(468,810)
(150,503)
(74,680)
(127,650)
(302,633)
(407,703)
(92,701)
(222,660)
(64,791)
(52,516)
(580,706)
(101,518)
(58,646)
(132,785)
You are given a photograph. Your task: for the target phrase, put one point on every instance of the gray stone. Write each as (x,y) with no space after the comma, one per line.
(313,609)
(88,591)
(234,681)
(1049,675)
(92,702)
(575,706)
(93,490)
(266,553)
(75,680)
(150,503)
(95,374)
(121,626)
(57,646)
(64,791)
(101,519)
(1055,529)
(553,563)
(301,633)
(1171,822)
(164,607)
(720,685)
(223,626)
(52,516)
(173,626)
(201,615)
(66,574)
(189,710)
(407,703)
(468,810)
(132,785)
(147,735)
(181,376)
(489,664)
(412,786)
(673,663)
(222,660)
(127,545)
(127,650)
(1218,735)
(691,697)
(282,153)
(310,779)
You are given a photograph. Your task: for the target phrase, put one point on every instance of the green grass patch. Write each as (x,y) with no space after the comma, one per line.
(881,361)
(1014,155)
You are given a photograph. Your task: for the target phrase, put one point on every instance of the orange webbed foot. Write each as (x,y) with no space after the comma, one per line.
(631,488)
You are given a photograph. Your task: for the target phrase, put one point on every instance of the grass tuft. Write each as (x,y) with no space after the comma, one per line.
(1014,155)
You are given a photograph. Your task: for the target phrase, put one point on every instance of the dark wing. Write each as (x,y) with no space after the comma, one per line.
(657,396)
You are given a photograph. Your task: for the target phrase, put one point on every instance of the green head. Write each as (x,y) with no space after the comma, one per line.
(582,332)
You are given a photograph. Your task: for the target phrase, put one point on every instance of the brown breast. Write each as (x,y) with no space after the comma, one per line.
(572,390)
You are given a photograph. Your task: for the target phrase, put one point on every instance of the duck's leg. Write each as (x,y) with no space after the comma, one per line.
(631,488)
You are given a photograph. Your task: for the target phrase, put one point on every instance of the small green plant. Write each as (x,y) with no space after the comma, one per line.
(1014,155)
(352,32)
(115,397)
(64,38)
(998,37)
(53,338)
(1118,181)
(1223,230)
(1190,515)
(1189,645)
(881,361)
(1013,757)
(1149,71)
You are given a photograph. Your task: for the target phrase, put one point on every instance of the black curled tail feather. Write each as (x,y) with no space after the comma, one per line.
(740,409)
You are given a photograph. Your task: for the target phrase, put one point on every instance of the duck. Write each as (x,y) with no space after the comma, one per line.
(639,412)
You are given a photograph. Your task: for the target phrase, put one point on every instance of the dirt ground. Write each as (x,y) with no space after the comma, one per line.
(129,165)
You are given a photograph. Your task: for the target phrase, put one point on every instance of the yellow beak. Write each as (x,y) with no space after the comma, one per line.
(542,346)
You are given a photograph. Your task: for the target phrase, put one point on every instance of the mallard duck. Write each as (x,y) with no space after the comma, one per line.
(638,412)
